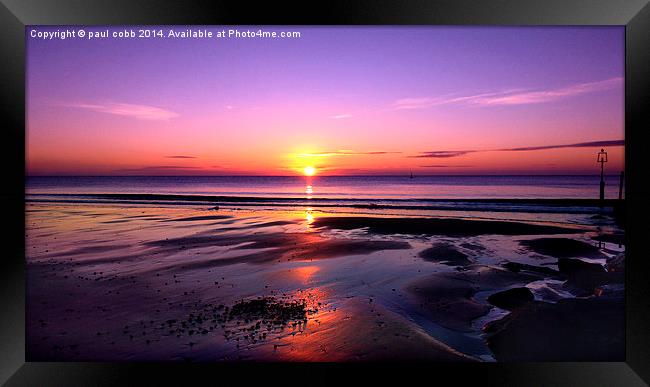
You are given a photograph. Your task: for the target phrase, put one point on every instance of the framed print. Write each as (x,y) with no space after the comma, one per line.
(416,188)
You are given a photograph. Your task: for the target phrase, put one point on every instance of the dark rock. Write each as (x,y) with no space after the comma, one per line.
(438,226)
(618,239)
(591,329)
(574,267)
(561,247)
(616,263)
(443,252)
(512,298)
(518,267)
(583,277)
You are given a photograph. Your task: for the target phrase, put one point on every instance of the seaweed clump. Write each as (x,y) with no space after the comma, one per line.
(254,319)
(250,320)
(269,310)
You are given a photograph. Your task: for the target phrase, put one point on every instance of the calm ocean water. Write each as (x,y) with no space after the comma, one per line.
(348,187)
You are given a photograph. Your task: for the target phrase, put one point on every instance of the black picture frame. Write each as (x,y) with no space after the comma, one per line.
(16,14)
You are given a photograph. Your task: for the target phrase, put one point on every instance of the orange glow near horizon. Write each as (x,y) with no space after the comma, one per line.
(580,160)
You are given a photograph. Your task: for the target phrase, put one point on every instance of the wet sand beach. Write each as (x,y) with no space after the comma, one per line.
(138,282)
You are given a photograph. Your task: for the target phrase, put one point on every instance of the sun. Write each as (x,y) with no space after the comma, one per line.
(309,171)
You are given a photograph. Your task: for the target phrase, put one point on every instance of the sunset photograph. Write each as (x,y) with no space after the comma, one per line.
(325,194)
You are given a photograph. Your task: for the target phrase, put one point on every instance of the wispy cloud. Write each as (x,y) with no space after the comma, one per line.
(427,102)
(577,145)
(180,157)
(443,154)
(445,166)
(542,96)
(344,153)
(159,168)
(142,112)
(511,96)
(341,116)
(457,153)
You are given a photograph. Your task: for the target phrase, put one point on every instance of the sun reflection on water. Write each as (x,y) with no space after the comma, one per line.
(309,215)
(305,273)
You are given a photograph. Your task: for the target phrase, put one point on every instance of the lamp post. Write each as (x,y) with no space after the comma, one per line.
(602,159)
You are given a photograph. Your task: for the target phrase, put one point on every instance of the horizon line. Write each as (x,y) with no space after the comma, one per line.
(361,175)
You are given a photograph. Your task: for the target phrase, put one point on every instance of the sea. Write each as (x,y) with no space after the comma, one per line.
(392,194)
(335,187)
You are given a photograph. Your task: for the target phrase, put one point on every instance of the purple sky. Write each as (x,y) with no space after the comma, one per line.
(369,98)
